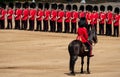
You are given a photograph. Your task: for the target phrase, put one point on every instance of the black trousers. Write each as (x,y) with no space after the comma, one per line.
(101,29)
(67,27)
(17,24)
(108,29)
(59,26)
(73,28)
(45,28)
(52,26)
(89,47)
(116,31)
(39,26)
(9,24)
(95,25)
(31,24)
(24,25)
(2,24)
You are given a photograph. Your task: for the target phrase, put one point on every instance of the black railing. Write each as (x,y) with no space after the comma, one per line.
(64,1)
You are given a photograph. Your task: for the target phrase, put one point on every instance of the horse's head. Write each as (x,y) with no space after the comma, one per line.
(93,36)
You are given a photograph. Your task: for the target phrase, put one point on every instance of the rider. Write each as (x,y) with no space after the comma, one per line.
(82,35)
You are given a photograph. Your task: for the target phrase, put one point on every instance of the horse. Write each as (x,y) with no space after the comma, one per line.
(76,49)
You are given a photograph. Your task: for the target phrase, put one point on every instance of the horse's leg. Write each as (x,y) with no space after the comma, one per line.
(88,63)
(82,63)
(72,64)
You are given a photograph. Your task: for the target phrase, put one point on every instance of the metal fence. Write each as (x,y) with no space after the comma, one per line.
(87,1)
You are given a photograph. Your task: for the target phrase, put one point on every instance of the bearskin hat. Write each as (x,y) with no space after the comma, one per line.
(47,5)
(102,8)
(61,6)
(75,7)
(40,5)
(87,7)
(109,7)
(95,8)
(82,22)
(18,5)
(3,5)
(55,6)
(0,4)
(11,5)
(116,10)
(25,5)
(81,7)
(52,6)
(68,7)
(90,8)
(32,5)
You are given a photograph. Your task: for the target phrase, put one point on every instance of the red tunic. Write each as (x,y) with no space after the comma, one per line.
(116,19)
(25,14)
(3,12)
(46,14)
(109,17)
(82,35)
(10,13)
(68,16)
(18,14)
(53,15)
(89,17)
(95,17)
(102,17)
(32,14)
(40,14)
(81,14)
(60,16)
(74,16)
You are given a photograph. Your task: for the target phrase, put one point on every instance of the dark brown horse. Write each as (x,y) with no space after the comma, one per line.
(76,49)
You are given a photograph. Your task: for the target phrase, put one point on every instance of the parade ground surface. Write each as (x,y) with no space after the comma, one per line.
(45,54)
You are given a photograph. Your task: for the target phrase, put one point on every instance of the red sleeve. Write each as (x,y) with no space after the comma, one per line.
(85,34)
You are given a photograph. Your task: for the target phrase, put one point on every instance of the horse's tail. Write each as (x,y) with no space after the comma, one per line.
(75,47)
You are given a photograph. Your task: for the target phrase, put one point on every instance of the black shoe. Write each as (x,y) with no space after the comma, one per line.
(91,55)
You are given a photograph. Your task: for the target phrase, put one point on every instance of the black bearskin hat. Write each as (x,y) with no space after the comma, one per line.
(0,4)
(32,5)
(109,7)
(75,7)
(90,8)
(82,22)
(47,5)
(81,7)
(102,8)
(40,5)
(18,5)
(55,6)
(25,5)
(87,7)
(95,8)
(3,5)
(116,10)
(68,7)
(61,6)
(11,5)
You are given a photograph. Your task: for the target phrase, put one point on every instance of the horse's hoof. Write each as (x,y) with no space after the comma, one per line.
(82,72)
(88,72)
(72,74)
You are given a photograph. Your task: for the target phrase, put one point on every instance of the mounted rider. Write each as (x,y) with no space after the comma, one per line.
(83,35)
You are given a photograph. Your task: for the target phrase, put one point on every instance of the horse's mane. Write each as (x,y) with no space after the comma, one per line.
(92,36)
